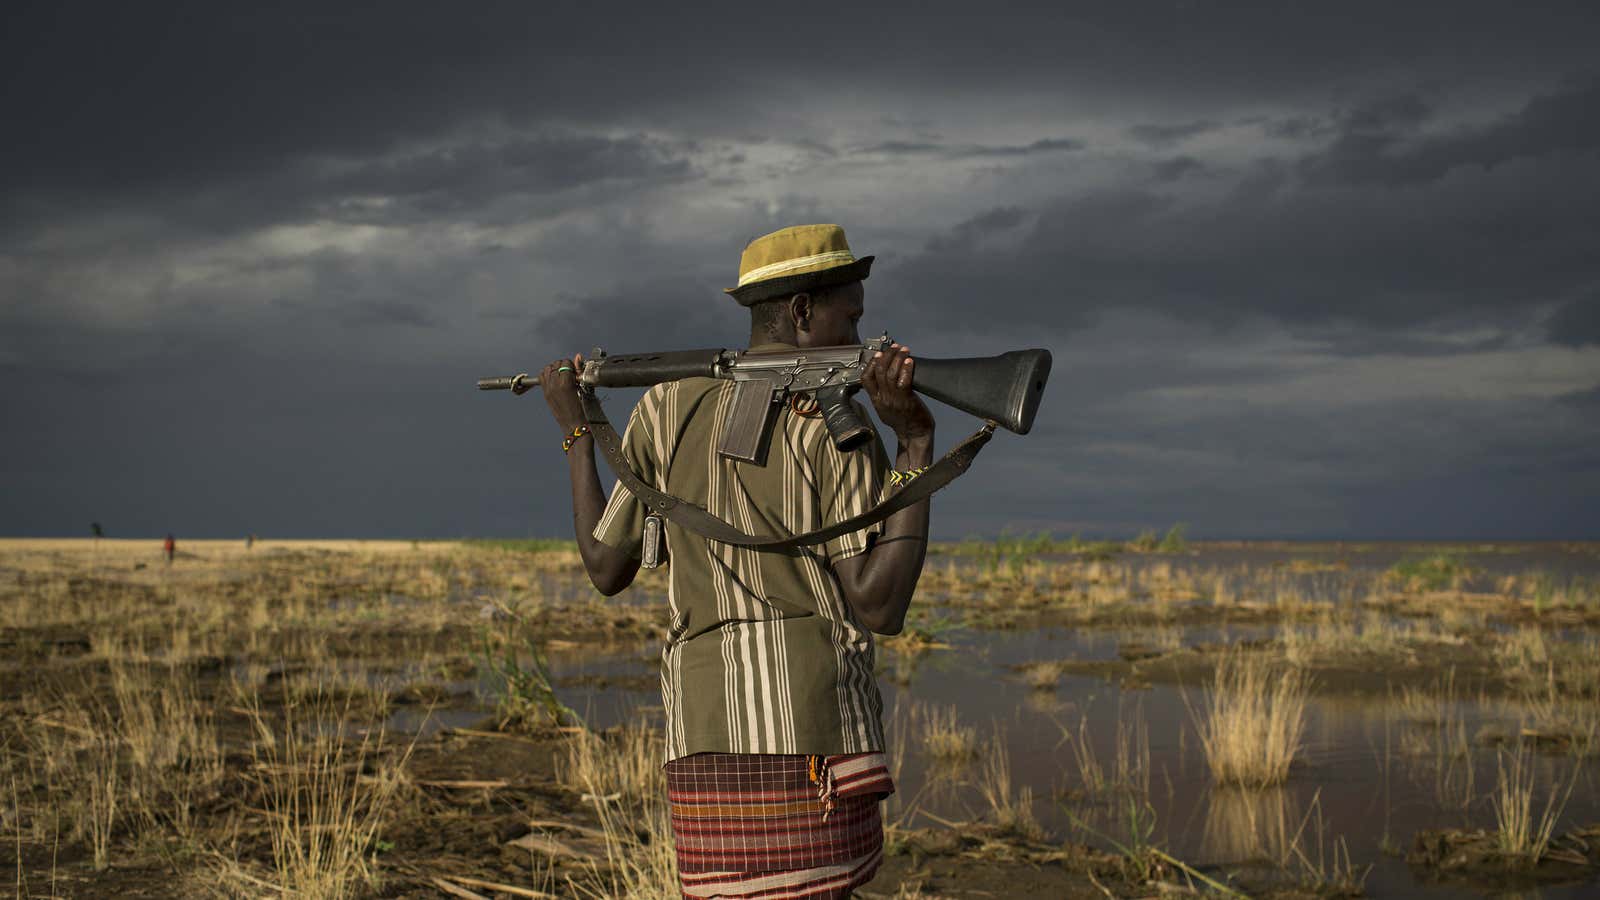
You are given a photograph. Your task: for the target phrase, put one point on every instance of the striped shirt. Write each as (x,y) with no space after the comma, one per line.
(762,654)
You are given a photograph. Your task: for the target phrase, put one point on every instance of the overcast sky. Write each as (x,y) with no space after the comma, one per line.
(1306,270)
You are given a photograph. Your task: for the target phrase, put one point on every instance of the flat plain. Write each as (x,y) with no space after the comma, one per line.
(1066,718)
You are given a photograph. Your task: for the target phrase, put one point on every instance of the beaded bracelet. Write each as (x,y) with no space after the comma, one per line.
(566,443)
(897,477)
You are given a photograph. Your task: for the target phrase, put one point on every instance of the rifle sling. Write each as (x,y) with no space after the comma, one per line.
(696,519)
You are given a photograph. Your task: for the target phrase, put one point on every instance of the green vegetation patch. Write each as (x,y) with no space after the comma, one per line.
(1433,572)
(1010,549)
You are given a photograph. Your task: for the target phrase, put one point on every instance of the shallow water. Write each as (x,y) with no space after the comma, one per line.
(1354,783)
(1366,781)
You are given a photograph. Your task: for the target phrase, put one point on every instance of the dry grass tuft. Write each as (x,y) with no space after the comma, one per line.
(172,747)
(627,763)
(1130,763)
(943,737)
(1524,835)
(1043,675)
(1434,730)
(1254,719)
(1013,810)
(622,779)
(323,809)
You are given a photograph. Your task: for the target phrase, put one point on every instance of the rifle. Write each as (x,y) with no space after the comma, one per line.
(1003,390)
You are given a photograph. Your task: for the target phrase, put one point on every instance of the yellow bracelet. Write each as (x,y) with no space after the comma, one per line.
(566,443)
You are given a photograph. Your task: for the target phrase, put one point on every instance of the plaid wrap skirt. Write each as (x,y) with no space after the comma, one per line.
(777,825)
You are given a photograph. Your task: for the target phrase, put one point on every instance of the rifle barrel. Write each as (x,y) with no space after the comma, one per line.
(507,382)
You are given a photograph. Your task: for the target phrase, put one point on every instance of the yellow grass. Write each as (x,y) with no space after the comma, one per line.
(941,734)
(627,762)
(1130,766)
(1523,832)
(1560,713)
(1011,809)
(123,773)
(1433,733)
(122,757)
(116,548)
(323,810)
(172,745)
(1043,675)
(622,780)
(137,761)
(1253,720)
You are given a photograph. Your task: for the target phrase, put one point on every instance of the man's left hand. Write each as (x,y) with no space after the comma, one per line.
(887,380)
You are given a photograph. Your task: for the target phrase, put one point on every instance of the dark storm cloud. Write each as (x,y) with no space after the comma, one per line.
(1587,401)
(380,312)
(1489,243)
(470,180)
(1299,270)
(448,180)
(659,315)
(969,151)
(1356,341)
(1163,136)
(1292,127)
(119,96)
(1577,324)
(1379,144)
(1176,167)
(975,230)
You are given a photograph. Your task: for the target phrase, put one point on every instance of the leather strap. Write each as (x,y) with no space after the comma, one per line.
(696,519)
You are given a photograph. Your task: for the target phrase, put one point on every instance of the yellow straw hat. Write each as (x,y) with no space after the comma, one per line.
(795,259)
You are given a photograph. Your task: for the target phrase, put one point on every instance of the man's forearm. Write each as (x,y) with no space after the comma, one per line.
(896,560)
(588,503)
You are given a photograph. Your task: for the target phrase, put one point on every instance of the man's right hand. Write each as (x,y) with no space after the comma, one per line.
(887,380)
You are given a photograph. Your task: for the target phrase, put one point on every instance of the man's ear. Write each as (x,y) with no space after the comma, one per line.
(800,311)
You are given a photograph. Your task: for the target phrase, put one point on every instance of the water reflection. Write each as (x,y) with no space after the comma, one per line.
(1353,799)
(1244,826)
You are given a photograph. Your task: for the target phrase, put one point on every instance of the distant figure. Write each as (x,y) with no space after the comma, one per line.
(95,527)
(170,546)
(249,541)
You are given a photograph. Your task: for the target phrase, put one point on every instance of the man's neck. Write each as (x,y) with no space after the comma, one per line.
(767,343)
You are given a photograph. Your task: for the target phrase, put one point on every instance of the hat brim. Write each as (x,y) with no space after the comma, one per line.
(758,291)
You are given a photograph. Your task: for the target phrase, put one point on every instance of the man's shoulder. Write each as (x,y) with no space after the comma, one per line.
(683,388)
(676,400)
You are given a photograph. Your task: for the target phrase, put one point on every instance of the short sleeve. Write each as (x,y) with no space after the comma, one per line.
(622,524)
(848,484)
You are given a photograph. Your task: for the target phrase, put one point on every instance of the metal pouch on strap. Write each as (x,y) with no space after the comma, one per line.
(653,539)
